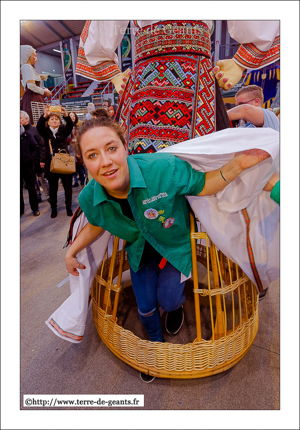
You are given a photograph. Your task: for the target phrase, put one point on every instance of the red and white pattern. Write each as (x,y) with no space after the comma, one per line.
(249,56)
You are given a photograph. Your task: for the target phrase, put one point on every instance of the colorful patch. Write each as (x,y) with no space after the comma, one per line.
(151,213)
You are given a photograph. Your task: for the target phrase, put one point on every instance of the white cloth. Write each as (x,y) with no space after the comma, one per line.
(260,33)
(70,317)
(29,74)
(35,88)
(219,214)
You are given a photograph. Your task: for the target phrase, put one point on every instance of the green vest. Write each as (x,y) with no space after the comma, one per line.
(158,185)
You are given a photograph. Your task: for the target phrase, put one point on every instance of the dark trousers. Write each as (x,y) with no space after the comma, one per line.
(53,188)
(28,176)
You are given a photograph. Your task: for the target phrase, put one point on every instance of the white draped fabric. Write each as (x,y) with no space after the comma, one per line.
(220,215)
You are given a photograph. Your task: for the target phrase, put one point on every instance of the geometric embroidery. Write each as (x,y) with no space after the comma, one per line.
(249,56)
(170,97)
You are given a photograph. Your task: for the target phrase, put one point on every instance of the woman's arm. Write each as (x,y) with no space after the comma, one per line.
(41,126)
(69,124)
(217,180)
(87,235)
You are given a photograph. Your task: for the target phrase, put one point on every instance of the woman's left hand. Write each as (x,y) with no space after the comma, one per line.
(63,111)
(250,158)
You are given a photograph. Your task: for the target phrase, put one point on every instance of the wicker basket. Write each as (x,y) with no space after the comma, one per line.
(229,295)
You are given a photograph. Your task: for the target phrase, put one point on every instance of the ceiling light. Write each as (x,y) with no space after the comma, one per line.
(56,50)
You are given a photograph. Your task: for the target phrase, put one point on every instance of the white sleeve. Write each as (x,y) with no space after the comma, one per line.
(29,74)
(33,87)
(260,33)
(103,40)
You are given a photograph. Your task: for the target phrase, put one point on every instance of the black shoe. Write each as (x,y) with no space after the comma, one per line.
(174,321)
(146,378)
(39,199)
(36,213)
(69,212)
(262,294)
(75,185)
(54,213)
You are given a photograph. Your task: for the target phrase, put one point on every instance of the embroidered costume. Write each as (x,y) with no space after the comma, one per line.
(171,94)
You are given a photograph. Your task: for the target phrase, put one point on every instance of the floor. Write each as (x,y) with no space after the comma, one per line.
(50,365)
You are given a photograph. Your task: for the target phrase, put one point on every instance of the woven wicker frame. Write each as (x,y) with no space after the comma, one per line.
(232,333)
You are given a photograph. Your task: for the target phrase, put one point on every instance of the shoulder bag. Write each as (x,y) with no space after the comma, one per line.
(62,162)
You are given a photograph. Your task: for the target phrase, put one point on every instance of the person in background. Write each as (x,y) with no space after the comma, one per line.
(51,129)
(233,123)
(108,106)
(99,113)
(80,169)
(249,102)
(31,81)
(39,166)
(29,155)
(90,108)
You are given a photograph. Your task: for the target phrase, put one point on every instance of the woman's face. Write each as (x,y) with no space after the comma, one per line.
(105,157)
(53,121)
(72,116)
(32,59)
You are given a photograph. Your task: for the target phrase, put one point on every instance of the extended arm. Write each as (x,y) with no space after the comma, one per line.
(217,180)
(248,113)
(87,235)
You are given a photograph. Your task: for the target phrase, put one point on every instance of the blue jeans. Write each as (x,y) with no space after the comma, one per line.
(153,286)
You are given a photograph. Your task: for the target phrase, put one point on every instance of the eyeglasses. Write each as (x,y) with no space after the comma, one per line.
(244,103)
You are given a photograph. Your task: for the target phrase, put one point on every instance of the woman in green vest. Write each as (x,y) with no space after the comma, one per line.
(141,199)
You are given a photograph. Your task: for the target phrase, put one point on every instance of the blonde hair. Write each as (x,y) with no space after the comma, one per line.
(254,90)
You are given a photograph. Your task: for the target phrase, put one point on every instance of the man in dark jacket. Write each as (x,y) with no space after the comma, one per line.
(29,154)
(39,166)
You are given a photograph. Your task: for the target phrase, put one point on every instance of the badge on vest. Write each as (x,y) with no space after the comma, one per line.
(151,214)
(168,223)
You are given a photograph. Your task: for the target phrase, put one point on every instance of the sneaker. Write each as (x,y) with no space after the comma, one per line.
(174,321)
(36,213)
(262,294)
(146,378)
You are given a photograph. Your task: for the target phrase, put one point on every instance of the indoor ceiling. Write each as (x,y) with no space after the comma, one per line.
(40,34)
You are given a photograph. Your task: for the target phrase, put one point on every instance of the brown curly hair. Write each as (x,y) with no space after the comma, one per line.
(102,121)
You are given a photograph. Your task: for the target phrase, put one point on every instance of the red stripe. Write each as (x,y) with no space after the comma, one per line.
(250,251)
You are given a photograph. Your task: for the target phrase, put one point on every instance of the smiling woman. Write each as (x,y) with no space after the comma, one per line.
(141,199)
(51,129)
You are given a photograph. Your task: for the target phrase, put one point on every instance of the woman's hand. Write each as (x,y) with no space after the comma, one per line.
(42,165)
(73,264)
(64,112)
(215,181)
(46,111)
(271,182)
(47,93)
(228,73)
(120,81)
(250,158)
